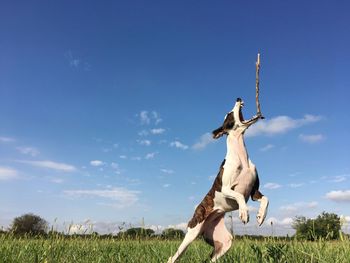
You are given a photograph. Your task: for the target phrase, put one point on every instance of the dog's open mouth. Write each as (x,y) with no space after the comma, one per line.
(241,118)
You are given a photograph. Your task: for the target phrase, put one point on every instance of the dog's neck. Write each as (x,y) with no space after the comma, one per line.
(236,147)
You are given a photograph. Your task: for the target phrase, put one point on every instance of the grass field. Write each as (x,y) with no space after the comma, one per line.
(60,249)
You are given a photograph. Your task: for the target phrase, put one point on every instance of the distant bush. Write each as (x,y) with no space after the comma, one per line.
(137,232)
(171,233)
(29,224)
(326,226)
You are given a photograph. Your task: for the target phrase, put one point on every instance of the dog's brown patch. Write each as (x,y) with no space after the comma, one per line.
(206,206)
(255,194)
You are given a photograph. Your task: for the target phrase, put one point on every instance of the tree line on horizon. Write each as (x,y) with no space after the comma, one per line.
(325,226)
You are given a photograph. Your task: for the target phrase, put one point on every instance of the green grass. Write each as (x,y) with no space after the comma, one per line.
(61,249)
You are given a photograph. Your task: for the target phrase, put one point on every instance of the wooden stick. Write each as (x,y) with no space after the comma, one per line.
(257,65)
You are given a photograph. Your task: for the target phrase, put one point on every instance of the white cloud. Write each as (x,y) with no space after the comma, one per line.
(157,131)
(182,226)
(178,145)
(86,227)
(7,139)
(293,208)
(296,185)
(144,142)
(287,221)
(166,185)
(75,62)
(123,157)
(150,156)
(115,166)
(156,117)
(311,138)
(167,171)
(7,173)
(345,218)
(144,117)
(143,133)
(339,196)
(57,180)
(28,150)
(339,178)
(121,197)
(280,124)
(272,186)
(147,117)
(267,147)
(203,141)
(336,178)
(96,163)
(51,165)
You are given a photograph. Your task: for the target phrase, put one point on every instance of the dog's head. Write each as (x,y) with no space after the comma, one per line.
(233,121)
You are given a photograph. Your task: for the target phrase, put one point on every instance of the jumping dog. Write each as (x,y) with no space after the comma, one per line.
(236,181)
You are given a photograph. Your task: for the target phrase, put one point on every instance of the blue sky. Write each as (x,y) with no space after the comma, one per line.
(106,109)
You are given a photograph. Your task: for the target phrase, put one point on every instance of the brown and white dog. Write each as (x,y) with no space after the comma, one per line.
(235,182)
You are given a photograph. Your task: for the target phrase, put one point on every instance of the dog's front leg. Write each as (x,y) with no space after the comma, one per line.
(264,203)
(239,198)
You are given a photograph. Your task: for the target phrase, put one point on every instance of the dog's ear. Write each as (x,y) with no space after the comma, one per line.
(218,132)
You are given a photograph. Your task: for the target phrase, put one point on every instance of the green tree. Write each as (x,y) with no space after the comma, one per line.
(137,232)
(29,224)
(171,233)
(326,225)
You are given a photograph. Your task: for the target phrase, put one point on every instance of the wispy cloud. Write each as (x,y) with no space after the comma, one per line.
(75,62)
(287,221)
(57,180)
(339,196)
(144,142)
(280,124)
(7,139)
(96,163)
(149,117)
(167,171)
(272,186)
(143,133)
(312,138)
(150,155)
(182,226)
(295,207)
(179,145)
(157,131)
(267,147)
(339,178)
(7,173)
(51,165)
(166,185)
(336,178)
(28,151)
(203,141)
(116,168)
(296,185)
(121,197)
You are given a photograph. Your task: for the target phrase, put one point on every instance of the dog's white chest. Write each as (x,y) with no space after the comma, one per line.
(224,204)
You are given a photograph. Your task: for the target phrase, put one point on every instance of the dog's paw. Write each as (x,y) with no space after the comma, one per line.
(260,217)
(244,215)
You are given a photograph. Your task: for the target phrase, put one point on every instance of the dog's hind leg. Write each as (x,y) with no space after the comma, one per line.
(216,234)
(190,236)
